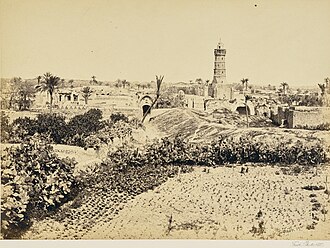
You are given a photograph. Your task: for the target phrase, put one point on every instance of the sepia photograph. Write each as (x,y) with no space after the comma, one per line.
(177,120)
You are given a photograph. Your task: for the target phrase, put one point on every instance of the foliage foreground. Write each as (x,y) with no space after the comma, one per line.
(36,182)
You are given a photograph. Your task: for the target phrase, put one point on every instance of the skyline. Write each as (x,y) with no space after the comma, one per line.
(268,42)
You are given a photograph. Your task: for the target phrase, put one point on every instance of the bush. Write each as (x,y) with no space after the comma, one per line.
(53,126)
(56,130)
(21,128)
(81,126)
(115,117)
(34,181)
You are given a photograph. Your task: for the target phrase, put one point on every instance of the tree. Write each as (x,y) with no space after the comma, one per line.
(49,83)
(199,81)
(245,83)
(87,92)
(159,81)
(284,87)
(124,83)
(246,109)
(62,83)
(14,85)
(70,82)
(39,79)
(322,88)
(21,93)
(25,94)
(119,83)
(327,82)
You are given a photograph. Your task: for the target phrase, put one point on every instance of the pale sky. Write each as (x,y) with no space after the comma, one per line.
(267,41)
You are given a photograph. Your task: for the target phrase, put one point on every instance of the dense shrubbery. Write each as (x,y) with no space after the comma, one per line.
(56,129)
(52,126)
(85,130)
(34,181)
(223,151)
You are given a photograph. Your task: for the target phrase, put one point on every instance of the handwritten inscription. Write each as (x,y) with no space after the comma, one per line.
(307,243)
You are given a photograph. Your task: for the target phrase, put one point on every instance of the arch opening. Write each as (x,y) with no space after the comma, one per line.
(146,109)
(242,110)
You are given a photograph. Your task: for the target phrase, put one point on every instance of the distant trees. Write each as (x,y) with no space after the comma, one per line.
(86,93)
(49,83)
(123,83)
(22,93)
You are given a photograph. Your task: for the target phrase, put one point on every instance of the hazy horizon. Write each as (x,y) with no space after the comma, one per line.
(267,41)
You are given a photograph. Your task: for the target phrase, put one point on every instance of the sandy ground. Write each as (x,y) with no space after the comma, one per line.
(221,204)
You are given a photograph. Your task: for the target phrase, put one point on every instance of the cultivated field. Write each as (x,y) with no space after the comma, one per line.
(220,203)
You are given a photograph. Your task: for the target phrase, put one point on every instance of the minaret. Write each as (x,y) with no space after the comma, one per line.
(219,88)
(219,75)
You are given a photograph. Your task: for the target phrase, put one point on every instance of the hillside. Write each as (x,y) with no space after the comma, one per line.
(201,127)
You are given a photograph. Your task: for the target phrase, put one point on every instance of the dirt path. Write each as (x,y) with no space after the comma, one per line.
(221,204)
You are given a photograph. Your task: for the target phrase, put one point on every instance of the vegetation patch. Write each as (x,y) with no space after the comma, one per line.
(34,182)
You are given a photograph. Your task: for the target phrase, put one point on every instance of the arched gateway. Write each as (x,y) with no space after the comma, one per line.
(145,103)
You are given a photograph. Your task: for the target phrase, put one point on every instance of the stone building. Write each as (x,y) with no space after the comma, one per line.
(219,88)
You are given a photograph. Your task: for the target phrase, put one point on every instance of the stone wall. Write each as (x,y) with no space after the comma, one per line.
(308,117)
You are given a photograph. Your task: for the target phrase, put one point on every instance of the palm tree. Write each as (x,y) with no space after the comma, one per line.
(322,88)
(62,83)
(70,82)
(159,81)
(49,83)
(124,82)
(327,84)
(285,87)
(93,81)
(245,83)
(246,109)
(87,92)
(199,81)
